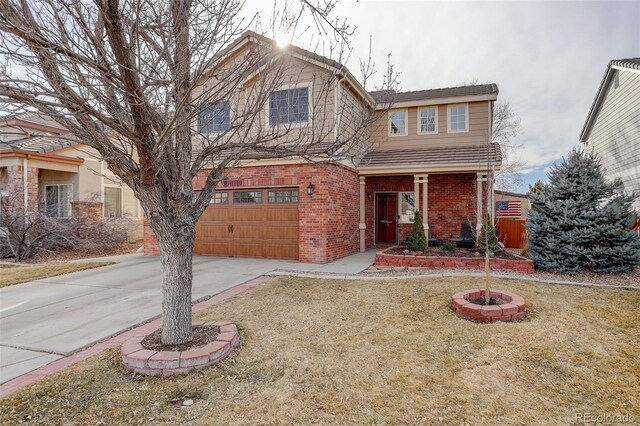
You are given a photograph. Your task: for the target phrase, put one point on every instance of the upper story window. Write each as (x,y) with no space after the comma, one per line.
(398,122)
(427,120)
(57,200)
(458,118)
(289,106)
(215,118)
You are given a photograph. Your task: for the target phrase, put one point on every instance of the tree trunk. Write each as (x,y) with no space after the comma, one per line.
(176,241)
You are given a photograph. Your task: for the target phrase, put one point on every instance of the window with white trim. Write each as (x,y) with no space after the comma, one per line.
(458,118)
(407,207)
(289,106)
(57,200)
(120,202)
(215,118)
(398,123)
(427,120)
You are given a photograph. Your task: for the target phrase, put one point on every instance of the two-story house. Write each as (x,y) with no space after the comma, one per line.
(43,169)
(431,151)
(612,127)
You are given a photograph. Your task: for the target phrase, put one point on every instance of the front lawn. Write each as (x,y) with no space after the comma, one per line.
(17,274)
(376,352)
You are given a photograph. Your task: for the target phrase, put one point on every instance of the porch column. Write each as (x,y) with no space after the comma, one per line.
(491,207)
(425,203)
(416,192)
(480,178)
(363,225)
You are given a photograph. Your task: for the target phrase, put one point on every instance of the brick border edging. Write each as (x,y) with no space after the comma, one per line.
(58,365)
(443,262)
(169,363)
(514,309)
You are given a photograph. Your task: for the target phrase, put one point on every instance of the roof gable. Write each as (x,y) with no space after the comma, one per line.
(297,52)
(630,64)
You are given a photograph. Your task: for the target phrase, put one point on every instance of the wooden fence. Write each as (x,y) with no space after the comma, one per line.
(512,232)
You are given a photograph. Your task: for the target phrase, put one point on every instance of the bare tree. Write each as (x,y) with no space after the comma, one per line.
(133,79)
(506,126)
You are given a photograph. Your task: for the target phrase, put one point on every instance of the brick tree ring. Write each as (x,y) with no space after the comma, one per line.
(168,363)
(512,306)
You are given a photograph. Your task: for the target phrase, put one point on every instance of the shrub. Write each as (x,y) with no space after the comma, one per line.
(29,236)
(581,222)
(418,240)
(448,246)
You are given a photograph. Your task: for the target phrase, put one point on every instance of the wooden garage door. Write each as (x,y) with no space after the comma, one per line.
(250,223)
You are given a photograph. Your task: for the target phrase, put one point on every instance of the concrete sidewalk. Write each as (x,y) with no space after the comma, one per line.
(45,320)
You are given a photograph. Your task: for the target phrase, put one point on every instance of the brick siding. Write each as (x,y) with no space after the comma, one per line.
(88,211)
(452,200)
(328,219)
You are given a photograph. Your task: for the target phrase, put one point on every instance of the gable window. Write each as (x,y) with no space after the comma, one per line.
(283,196)
(247,197)
(458,118)
(398,123)
(290,106)
(427,120)
(57,200)
(215,118)
(120,202)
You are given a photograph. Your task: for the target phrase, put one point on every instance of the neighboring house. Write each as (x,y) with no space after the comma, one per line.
(43,170)
(431,151)
(612,128)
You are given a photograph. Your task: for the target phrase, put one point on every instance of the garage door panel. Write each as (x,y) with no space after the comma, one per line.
(213,231)
(257,230)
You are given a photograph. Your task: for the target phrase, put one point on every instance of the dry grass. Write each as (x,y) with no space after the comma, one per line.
(352,352)
(10,274)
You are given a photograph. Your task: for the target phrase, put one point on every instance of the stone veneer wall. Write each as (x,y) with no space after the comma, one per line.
(328,219)
(16,187)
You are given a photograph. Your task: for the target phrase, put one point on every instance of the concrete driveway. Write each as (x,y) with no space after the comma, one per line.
(47,319)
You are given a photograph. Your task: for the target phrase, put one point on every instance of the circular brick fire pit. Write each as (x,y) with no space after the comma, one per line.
(513,307)
(168,363)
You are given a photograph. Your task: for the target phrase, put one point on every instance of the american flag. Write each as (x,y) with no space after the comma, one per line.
(508,208)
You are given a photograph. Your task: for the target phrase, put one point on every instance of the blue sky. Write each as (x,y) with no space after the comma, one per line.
(547,57)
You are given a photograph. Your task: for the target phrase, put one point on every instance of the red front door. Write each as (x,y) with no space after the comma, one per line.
(386,218)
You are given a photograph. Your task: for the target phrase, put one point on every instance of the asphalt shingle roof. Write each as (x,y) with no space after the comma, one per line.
(37,144)
(474,154)
(446,92)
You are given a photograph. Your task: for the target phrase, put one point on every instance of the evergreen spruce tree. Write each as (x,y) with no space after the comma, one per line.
(581,222)
(417,241)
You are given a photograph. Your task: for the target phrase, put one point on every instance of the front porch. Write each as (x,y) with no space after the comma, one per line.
(445,202)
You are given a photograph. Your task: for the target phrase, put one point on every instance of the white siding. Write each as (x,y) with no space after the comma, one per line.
(615,134)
